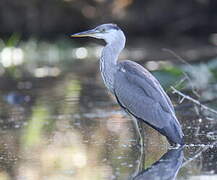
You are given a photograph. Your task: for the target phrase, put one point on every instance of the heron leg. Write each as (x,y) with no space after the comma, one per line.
(141,128)
(142,143)
(140,132)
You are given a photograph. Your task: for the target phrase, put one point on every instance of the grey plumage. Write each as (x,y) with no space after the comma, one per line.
(166,168)
(136,90)
(142,96)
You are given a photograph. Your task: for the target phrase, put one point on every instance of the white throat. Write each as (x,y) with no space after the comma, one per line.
(108,61)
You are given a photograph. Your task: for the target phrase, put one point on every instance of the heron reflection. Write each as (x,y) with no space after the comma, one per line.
(166,168)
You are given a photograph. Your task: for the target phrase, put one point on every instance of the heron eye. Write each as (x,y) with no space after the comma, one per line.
(103,30)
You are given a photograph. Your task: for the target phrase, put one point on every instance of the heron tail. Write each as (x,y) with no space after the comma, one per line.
(174,133)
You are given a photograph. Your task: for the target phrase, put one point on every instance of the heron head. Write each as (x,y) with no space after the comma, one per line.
(107,32)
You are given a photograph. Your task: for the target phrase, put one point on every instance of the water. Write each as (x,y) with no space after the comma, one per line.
(69,127)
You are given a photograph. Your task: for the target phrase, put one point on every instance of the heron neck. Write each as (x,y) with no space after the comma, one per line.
(108,62)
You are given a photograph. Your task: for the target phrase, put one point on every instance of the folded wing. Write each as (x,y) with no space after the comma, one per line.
(141,95)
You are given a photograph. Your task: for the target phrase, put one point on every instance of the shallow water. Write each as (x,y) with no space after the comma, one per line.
(71,128)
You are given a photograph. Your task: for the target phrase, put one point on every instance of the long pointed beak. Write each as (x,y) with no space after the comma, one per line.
(89,33)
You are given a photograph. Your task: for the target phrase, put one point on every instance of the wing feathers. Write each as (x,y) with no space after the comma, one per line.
(141,94)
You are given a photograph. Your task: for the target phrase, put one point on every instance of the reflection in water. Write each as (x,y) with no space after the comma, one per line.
(166,168)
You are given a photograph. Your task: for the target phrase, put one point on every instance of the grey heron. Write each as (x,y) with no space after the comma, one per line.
(137,91)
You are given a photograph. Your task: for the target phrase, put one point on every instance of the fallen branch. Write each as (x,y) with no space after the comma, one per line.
(189,105)
(183,72)
(175,91)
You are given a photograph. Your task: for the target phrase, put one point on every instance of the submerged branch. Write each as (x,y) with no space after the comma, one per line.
(199,152)
(175,91)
